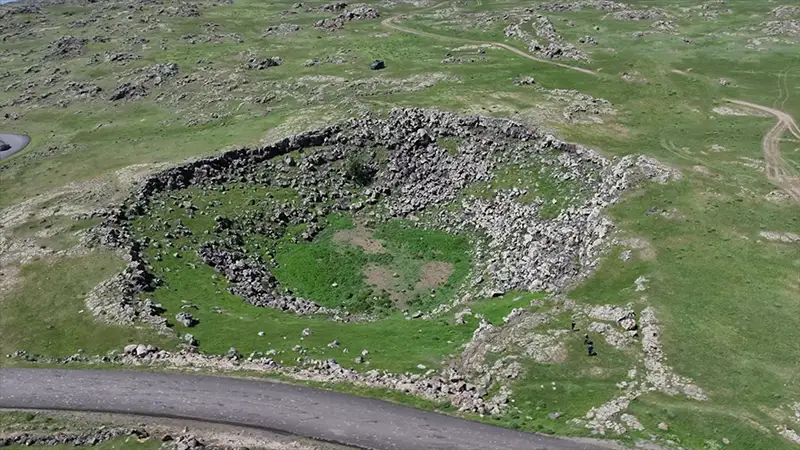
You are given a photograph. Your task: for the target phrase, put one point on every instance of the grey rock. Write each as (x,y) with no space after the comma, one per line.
(186,319)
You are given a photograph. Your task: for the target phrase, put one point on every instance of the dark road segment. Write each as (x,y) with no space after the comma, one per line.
(12,143)
(297,410)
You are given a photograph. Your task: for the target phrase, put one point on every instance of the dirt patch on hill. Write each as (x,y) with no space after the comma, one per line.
(361,237)
(434,274)
(381,277)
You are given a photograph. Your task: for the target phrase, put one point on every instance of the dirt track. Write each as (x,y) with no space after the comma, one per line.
(778,170)
(389,22)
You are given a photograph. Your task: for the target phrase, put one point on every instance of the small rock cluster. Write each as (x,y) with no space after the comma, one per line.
(360,12)
(640,14)
(261,64)
(114,57)
(555,48)
(77,439)
(140,81)
(66,47)
(781,28)
(600,5)
(253,282)
(282,29)
(786,12)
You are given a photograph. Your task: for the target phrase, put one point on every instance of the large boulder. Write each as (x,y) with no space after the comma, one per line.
(186,319)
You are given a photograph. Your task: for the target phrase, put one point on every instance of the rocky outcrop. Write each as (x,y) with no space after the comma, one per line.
(554,46)
(360,12)
(139,81)
(253,282)
(66,47)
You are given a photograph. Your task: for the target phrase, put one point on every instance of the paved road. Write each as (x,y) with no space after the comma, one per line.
(297,410)
(16,141)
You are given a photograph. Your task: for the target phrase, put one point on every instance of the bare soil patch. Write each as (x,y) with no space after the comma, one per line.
(361,237)
(434,274)
(644,250)
(382,277)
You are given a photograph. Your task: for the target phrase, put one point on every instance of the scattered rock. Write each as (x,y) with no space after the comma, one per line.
(261,64)
(786,236)
(282,29)
(66,47)
(525,81)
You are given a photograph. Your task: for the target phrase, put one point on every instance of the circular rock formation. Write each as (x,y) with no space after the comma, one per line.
(532,203)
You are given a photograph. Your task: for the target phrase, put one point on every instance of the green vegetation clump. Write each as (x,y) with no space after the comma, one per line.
(386,272)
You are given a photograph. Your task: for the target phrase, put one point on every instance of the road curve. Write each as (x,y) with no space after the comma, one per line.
(303,411)
(16,141)
(777,169)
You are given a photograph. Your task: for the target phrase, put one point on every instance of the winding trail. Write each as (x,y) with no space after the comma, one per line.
(778,171)
(390,23)
(277,407)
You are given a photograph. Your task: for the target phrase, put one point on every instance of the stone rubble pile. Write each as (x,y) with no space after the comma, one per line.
(261,64)
(180,9)
(786,12)
(358,12)
(282,29)
(253,282)
(659,375)
(139,82)
(600,5)
(781,28)
(555,46)
(640,14)
(66,47)
(77,439)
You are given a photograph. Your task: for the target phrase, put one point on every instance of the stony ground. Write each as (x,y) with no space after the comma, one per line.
(418,251)
(115,432)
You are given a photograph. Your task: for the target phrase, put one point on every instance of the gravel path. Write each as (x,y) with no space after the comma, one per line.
(303,411)
(16,141)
